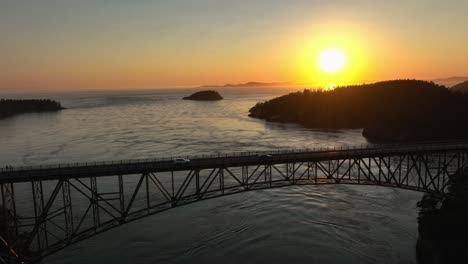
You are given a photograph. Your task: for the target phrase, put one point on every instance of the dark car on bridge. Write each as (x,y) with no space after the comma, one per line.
(265,156)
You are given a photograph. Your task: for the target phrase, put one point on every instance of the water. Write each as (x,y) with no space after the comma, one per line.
(325,224)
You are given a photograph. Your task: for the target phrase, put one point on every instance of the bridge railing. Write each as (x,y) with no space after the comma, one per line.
(171,158)
(369,149)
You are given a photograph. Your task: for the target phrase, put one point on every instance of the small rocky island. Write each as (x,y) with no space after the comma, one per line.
(389,111)
(10,107)
(208,95)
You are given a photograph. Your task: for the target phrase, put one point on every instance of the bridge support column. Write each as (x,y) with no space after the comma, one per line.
(290,171)
(67,210)
(419,171)
(315,172)
(270,174)
(173,198)
(197,183)
(245,176)
(408,168)
(380,170)
(402,159)
(95,203)
(38,201)
(9,227)
(121,200)
(359,171)
(148,205)
(221,179)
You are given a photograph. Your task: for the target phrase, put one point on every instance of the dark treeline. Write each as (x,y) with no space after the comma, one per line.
(9,107)
(400,110)
(443,228)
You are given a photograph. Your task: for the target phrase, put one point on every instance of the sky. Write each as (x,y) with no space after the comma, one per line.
(140,44)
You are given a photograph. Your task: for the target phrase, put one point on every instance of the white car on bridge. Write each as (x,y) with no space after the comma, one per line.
(180,161)
(265,156)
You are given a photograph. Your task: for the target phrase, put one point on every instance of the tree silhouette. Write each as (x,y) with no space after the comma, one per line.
(9,107)
(396,110)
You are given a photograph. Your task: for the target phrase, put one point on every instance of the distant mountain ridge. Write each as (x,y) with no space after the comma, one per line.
(448,82)
(451,81)
(247,85)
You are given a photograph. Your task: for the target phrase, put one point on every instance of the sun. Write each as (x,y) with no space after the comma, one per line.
(332,60)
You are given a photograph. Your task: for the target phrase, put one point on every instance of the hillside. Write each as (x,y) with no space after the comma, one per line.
(450,211)
(461,87)
(390,111)
(451,81)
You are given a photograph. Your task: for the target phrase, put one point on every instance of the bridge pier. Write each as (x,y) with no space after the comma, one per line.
(38,202)
(95,203)
(121,199)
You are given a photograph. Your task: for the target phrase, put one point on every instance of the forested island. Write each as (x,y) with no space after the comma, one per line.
(442,224)
(389,111)
(208,95)
(10,107)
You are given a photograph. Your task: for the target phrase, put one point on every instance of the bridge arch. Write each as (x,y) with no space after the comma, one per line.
(56,206)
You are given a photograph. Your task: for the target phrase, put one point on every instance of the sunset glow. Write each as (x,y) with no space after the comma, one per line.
(181,44)
(332,60)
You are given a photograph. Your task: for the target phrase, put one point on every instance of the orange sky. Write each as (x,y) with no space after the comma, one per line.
(153,44)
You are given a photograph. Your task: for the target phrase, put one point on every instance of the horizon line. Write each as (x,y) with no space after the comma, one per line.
(278,85)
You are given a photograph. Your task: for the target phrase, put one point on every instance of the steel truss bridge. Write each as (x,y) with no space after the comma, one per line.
(46,208)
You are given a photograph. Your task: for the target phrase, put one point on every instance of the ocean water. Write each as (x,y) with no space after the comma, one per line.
(310,224)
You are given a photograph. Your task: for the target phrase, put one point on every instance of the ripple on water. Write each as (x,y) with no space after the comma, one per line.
(292,224)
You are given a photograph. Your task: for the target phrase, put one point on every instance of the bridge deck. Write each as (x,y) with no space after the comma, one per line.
(80,170)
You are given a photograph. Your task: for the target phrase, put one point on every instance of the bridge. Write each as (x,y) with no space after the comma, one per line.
(46,208)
